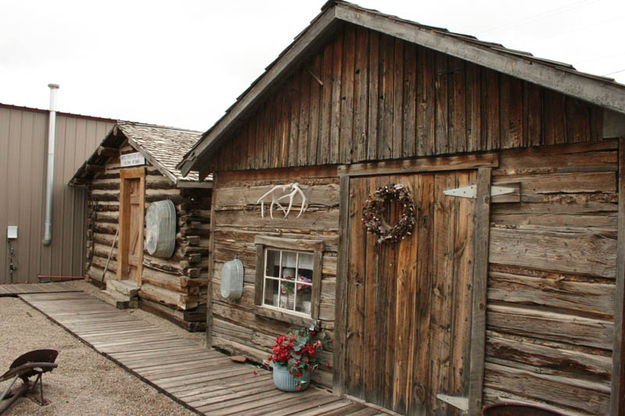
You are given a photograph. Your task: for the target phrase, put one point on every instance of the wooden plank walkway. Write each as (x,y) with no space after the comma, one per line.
(202,379)
(14,289)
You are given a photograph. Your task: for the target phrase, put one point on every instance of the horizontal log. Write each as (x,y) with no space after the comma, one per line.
(101,263)
(168,297)
(492,396)
(309,221)
(551,326)
(568,204)
(193,315)
(579,182)
(575,252)
(565,158)
(163,280)
(574,393)
(568,222)
(317,195)
(104,195)
(593,298)
(548,358)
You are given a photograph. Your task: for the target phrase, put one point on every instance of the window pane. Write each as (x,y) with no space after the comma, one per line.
(305,266)
(271,292)
(273,263)
(304,293)
(289,259)
(287,295)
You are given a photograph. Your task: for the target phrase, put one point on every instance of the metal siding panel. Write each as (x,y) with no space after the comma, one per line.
(23,138)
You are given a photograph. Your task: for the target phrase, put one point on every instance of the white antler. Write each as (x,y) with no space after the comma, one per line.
(289,191)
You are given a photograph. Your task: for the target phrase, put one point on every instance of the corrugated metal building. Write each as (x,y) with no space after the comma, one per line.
(23,156)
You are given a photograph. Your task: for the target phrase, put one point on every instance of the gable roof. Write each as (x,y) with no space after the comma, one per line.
(557,76)
(161,146)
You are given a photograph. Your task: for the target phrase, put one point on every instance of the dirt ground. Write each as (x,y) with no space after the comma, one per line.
(85,383)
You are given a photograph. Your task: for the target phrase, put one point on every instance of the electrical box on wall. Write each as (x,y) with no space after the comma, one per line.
(12,232)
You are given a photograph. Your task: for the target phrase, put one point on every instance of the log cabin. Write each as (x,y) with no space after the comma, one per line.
(131,170)
(508,282)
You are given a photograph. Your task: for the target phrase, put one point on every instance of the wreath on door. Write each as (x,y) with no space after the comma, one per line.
(375,207)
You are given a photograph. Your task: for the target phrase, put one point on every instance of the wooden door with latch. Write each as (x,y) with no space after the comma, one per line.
(408,304)
(131,213)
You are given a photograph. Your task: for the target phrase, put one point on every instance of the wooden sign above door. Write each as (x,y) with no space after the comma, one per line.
(131,159)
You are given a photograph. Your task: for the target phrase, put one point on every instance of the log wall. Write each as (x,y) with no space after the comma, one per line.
(552,275)
(237,221)
(174,288)
(364,96)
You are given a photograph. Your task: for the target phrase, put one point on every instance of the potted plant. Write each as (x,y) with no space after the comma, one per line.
(295,357)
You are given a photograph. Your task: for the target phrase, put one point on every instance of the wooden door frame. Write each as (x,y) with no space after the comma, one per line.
(483,163)
(124,220)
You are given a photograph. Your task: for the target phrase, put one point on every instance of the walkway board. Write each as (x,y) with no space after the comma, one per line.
(199,378)
(13,289)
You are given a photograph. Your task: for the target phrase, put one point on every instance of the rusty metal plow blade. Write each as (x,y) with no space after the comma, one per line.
(33,363)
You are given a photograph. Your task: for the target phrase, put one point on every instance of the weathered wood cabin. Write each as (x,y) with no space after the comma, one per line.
(510,285)
(133,168)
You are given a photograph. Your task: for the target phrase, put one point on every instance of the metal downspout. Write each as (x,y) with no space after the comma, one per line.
(47,235)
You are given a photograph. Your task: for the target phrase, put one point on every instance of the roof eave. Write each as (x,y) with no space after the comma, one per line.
(599,92)
(295,51)
(566,81)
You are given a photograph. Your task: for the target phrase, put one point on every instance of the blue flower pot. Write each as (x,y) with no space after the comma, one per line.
(286,382)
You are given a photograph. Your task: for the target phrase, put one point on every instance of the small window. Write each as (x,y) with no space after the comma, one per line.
(288,277)
(288,280)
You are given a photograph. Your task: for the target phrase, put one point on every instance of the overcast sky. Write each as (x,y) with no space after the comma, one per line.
(183,63)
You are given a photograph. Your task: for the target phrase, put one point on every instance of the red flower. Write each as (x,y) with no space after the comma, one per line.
(255,372)
(298,388)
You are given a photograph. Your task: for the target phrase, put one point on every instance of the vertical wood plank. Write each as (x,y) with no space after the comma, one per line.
(361,90)
(337,71)
(294,98)
(511,105)
(533,109)
(259,284)
(409,146)
(326,107)
(479,287)
(372,100)
(463,273)
(316,280)
(421,351)
(398,97)
(304,118)
(371,352)
(211,264)
(473,107)
(385,102)
(284,130)
(341,287)
(554,117)
(315,108)
(355,291)
(617,393)
(457,107)
(347,95)
(426,118)
(442,288)
(490,109)
(442,113)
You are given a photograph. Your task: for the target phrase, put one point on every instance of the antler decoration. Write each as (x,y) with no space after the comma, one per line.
(289,191)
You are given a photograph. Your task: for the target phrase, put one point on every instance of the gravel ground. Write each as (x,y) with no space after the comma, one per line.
(85,383)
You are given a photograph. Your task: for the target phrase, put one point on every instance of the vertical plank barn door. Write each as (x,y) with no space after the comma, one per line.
(408,305)
(131,211)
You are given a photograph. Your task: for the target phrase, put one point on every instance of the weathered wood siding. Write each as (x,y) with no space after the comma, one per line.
(237,221)
(365,96)
(174,287)
(552,278)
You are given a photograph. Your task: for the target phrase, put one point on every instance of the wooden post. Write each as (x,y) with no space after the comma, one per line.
(617,395)
(211,267)
(480,277)
(341,287)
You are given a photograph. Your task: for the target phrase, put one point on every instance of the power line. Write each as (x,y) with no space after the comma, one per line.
(538,16)
(615,72)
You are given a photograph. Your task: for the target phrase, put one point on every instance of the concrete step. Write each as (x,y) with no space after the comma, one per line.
(125,287)
(116,299)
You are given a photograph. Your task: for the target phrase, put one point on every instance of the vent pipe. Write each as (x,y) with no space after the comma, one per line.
(47,234)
